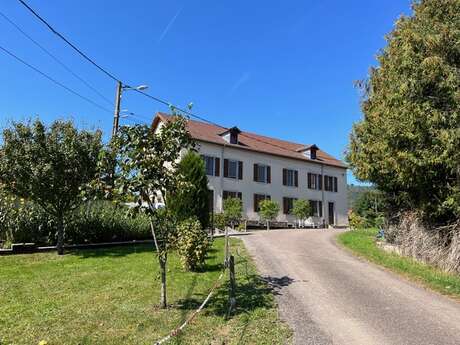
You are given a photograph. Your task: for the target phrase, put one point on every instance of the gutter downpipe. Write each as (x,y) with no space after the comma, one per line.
(323,203)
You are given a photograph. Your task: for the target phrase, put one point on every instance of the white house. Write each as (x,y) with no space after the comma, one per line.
(254,167)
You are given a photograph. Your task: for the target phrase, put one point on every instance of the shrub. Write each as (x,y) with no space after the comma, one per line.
(192,244)
(355,221)
(220,221)
(233,209)
(22,221)
(269,210)
(104,221)
(93,222)
(302,209)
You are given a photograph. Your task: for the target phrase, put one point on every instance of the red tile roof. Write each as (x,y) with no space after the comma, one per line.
(210,133)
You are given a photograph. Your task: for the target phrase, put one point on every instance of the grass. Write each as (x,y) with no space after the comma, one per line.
(110,296)
(363,243)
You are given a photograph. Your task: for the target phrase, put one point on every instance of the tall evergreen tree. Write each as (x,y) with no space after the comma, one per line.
(408,142)
(193,202)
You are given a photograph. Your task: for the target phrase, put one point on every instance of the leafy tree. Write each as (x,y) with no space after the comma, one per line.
(268,210)
(302,209)
(193,202)
(146,165)
(233,210)
(370,205)
(408,142)
(49,166)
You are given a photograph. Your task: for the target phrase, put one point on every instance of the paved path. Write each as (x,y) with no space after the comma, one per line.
(330,297)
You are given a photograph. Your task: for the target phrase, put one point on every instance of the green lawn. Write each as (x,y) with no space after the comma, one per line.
(109,296)
(363,243)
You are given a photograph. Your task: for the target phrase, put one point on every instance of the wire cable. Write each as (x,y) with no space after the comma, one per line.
(110,75)
(86,57)
(55,58)
(54,80)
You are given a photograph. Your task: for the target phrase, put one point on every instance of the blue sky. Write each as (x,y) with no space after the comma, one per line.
(278,68)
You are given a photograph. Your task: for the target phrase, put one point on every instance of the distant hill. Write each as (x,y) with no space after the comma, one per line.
(354,192)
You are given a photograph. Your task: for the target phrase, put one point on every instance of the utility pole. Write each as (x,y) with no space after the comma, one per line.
(116,115)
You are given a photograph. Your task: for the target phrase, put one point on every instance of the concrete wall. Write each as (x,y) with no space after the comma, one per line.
(275,189)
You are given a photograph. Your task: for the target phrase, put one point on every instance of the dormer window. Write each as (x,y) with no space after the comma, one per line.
(231,136)
(309,151)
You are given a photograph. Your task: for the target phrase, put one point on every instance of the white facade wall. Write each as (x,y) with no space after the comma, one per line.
(248,187)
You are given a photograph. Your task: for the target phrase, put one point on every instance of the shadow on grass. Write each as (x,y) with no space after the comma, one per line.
(253,292)
(120,251)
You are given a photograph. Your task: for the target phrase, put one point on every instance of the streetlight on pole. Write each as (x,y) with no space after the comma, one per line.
(118,95)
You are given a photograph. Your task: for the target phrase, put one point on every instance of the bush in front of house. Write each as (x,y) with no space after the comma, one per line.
(192,244)
(103,221)
(93,222)
(22,221)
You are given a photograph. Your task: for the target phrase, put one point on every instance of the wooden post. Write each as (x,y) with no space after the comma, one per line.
(226,246)
(232,286)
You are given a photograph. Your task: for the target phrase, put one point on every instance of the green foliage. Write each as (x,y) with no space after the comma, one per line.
(142,165)
(193,201)
(105,221)
(192,244)
(408,142)
(268,210)
(49,166)
(92,222)
(22,221)
(146,165)
(355,221)
(302,209)
(370,205)
(233,210)
(220,221)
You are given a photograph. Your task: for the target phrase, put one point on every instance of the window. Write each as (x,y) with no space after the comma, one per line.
(288,204)
(230,194)
(315,181)
(317,208)
(290,178)
(212,165)
(233,169)
(330,183)
(262,173)
(257,199)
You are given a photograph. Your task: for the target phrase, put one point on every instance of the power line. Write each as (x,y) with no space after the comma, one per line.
(110,75)
(55,58)
(54,80)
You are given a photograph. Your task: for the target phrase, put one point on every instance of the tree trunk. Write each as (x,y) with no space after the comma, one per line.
(60,235)
(162,259)
(268,225)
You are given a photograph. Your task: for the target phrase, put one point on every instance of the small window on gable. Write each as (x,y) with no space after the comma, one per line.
(231,135)
(309,151)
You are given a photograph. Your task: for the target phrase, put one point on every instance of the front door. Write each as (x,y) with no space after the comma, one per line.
(331,213)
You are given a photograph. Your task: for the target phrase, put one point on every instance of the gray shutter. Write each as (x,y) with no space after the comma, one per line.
(256,173)
(284,177)
(296,178)
(269,174)
(240,170)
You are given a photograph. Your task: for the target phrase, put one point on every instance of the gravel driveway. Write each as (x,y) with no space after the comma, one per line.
(330,297)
